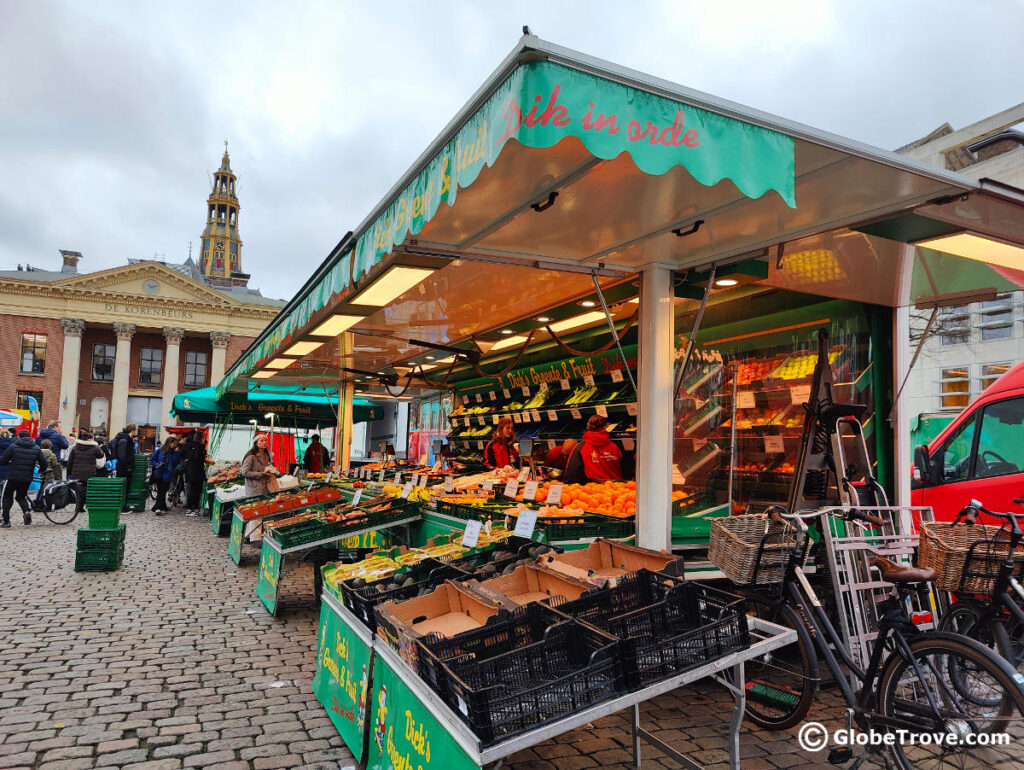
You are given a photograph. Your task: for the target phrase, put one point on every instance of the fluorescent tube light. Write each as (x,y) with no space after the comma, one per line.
(394,282)
(978,248)
(279,363)
(508,342)
(302,348)
(262,375)
(580,320)
(335,325)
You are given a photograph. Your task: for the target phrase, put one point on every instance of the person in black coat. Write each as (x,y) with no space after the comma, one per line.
(6,439)
(83,462)
(22,458)
(193,466)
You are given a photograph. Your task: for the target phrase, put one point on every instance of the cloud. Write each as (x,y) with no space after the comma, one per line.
(114,113)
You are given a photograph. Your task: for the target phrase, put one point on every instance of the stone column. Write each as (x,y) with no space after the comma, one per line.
(70,369)
(219,340)
(172,356)
(122,365)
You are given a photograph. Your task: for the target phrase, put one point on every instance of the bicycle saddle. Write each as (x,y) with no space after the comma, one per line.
(893,573)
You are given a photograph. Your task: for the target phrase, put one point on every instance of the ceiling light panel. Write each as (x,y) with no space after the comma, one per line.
(392,284)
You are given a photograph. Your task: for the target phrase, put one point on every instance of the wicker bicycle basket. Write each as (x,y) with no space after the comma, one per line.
(966,556)
(736,542)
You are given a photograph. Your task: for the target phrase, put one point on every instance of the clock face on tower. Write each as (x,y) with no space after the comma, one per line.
(219,244)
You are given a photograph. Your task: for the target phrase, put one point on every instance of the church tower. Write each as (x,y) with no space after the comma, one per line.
(221,255)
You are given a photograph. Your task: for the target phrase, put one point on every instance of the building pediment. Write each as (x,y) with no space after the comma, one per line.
(151,280)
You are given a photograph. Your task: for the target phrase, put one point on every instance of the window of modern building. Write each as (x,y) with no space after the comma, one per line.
(955,388)
(195,369)
(103,363)
(996,321)
(992,372)
(151,365)
(25,395)
(33,353)
(954,326)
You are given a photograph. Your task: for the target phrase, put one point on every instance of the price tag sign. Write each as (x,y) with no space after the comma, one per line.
(774,445)
(745,399)
(552,415)
(543,387)
(633,409)
(526,391)
(407,490)
(491,396)
(479,444)
(511,488)
(800,394)
(479,398)
(535,416)
(465,399)
(588,380)
(495,419)
(616,375)
(357,497)
(398,478)
(576,414)
(530,490)
(524,473)
(554,494)
(564,384)
(481,421)
(525,523)
(516,417)
(449,484)
(424,480)
(472,534)
(488,485)
(601,409)
(381,477)
(552,443)
(505,393)
(628,444)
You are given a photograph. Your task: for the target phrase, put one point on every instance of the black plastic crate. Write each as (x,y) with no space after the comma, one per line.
(514,675)
(428,574)
(519,547)
(666,626)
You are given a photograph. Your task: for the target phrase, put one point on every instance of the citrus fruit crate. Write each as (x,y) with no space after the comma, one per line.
(666,625)
(103,518)
(99,559)
(532,668)
(101,538)
(361,598)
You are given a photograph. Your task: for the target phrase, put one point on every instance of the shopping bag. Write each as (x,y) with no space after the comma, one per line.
(272,486)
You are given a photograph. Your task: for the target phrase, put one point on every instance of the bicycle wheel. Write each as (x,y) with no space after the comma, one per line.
(963,618)
(64,515)
(781,684)
(965,725)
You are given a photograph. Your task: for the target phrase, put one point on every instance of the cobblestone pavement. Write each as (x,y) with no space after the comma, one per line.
(172,662)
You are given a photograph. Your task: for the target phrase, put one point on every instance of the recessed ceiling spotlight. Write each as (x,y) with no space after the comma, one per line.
(588,303)
(723,282)
(431,358)
(508,331)
(543,319)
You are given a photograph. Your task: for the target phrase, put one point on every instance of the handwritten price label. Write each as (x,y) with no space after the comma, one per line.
(357,497)
(479,398)
(601,410)
(554,494)
(616,375)
(449,484)
(530,490)
(516,417)
(543,387)
(526,391)
(488,485)
(407,490)
(525,523)
(774,445)
(576,414)
(633,409)
(552,415)
(398,478)
(800,394)
(472,534)
(745,399)
(491,396)
(495,419)
(505,392)
(511,488)
(564,384)
(588,380)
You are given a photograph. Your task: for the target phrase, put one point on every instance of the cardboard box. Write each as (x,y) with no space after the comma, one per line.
(604,561)
(530,583)
(448,610)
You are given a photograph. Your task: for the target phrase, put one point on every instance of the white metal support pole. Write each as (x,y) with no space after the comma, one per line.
(654,423)
(902,350)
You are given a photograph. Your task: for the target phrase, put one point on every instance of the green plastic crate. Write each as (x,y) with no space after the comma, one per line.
(103,518)
(101,538)
(99,559)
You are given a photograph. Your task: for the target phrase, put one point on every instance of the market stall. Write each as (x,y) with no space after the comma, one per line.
(619,247)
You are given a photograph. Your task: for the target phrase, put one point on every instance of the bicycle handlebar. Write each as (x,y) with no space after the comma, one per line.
(778,516)
(969,514)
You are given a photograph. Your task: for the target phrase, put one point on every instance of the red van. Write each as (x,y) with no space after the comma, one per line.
(979,455)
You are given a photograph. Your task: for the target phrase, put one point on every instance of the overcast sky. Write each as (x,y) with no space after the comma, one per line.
(113,114)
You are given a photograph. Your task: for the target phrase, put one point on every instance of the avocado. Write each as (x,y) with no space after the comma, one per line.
(358,583)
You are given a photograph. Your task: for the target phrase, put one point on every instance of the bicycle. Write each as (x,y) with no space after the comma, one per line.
(991,616)
(909,691)
(68,512)
(175,490)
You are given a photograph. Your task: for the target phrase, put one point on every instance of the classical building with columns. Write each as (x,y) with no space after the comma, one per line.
(99,350)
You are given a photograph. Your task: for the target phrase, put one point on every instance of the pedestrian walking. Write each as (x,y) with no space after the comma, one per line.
(52,433)
(22,457)
(164,463)
(123,450)
(84,461)
(193,466)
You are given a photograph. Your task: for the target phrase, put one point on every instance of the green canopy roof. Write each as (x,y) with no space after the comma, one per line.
(303,411)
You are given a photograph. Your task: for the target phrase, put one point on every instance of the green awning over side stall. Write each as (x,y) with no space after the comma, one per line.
(304,411)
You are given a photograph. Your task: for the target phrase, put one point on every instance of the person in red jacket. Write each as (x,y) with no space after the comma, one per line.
(501,450)
(558,456)
(602,459)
